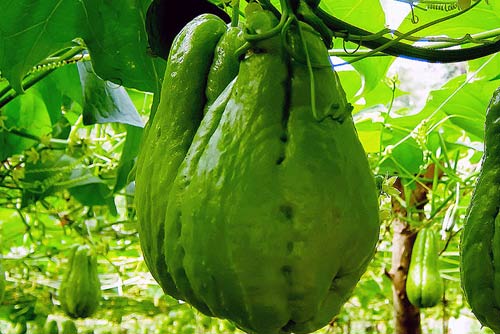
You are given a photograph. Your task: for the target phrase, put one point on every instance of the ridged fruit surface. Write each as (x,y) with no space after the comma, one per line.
(272,213)
(80,290)
(424,285)
(480,243)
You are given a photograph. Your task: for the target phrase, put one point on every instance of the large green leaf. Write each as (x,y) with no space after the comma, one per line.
(464,103)
(117,41)
(105,102)
(95,192)
(32,30)
(351,82)
(373,71)
(403,154)
(367,14)
(369,133)
(486,68)
(23,117)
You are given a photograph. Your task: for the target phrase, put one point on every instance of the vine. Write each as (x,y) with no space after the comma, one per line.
(409,33)
(395,47)
(42,70)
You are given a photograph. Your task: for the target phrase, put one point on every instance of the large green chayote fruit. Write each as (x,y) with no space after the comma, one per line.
(180,112)
(480,243)
(80,290)
(272,216)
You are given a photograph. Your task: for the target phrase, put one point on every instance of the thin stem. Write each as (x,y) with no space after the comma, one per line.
(236,13)
(412,52)
(55,141)
(409,33)
(28,227)
(428,118)
(481,37)
(312,87)
(8,93)
(352,53)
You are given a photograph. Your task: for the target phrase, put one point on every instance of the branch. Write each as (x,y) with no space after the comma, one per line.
(395,48)
(41,71)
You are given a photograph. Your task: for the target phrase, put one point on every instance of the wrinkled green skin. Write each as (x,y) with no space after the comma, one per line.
(69,327)
(272,215)
(225,64)
(424,285)
(169,134)
(80,290)
(480,243)
(51,327)
(2,283)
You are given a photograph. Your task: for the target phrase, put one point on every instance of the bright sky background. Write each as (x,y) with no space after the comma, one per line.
(395,12)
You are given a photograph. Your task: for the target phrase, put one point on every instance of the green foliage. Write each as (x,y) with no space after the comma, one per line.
(57,171)
(114,35)
(27,113)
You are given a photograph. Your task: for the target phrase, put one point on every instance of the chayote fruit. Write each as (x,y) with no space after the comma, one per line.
(480,245)
(424,285)
(271,217)
(80,290)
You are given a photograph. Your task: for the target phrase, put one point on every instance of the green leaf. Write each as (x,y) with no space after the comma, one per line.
(485,68)
(404,154)
(62,129)
(32,30)
(369,132)
(129,153)
(63,82)
(95,192)
(117,42)
(61,172)
(366,14)
(464,103)
(10,227)
(351,82)
(383,94)
(373,71)
(105,102)
(24,116)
